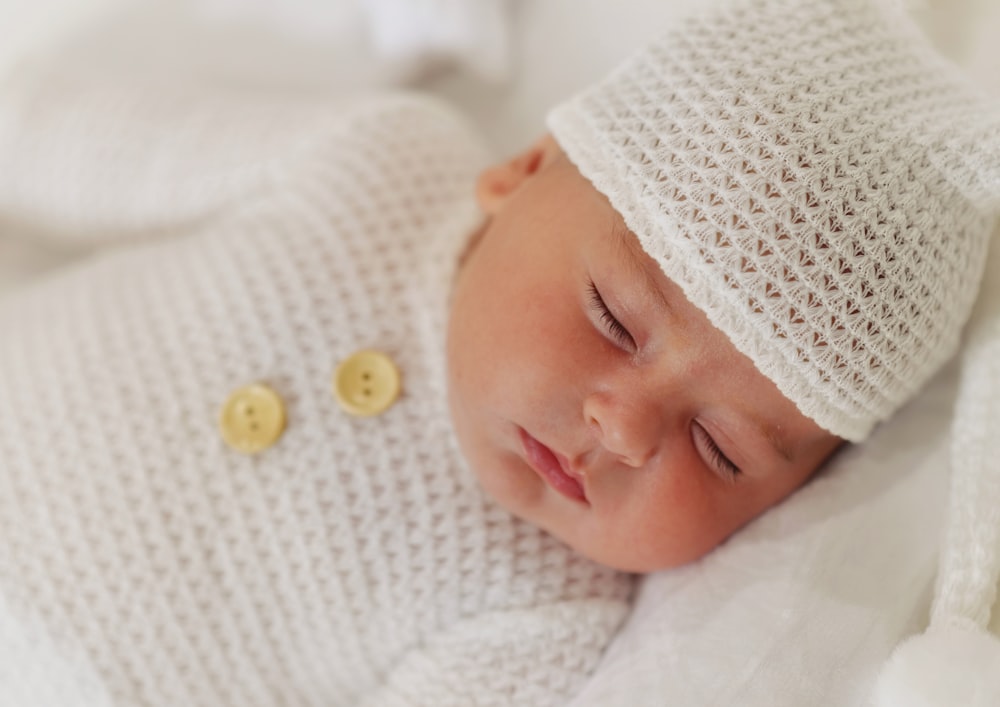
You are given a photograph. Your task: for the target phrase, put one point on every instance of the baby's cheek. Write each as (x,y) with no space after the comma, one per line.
(678,517)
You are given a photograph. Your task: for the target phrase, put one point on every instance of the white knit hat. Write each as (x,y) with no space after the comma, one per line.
(816,179)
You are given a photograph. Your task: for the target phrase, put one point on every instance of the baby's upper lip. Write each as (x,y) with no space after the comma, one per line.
(570,470)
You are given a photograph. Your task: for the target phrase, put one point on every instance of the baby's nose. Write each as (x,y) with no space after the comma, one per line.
(627,426)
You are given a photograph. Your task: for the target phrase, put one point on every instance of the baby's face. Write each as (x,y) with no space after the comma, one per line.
(591,398)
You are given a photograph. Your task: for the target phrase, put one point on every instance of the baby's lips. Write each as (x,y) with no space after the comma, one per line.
(578,475)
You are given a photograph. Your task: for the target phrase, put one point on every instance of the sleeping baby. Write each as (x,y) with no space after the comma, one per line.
(351,417)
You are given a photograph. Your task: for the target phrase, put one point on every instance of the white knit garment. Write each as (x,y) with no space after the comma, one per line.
(957,661)
(357,561)
(806,171)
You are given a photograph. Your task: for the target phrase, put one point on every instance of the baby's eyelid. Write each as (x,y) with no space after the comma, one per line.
(717,459)
(617,331)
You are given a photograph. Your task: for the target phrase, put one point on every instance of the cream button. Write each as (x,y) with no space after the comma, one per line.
(252,419)
(366,383)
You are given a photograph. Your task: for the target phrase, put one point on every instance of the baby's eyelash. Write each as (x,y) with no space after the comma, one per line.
(719,460)
(614,327)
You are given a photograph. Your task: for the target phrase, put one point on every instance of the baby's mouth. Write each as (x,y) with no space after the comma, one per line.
(553,468)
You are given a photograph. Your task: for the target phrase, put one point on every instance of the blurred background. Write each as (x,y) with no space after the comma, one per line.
(505,62)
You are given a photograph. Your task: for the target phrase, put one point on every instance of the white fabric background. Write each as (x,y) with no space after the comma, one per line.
(803,606)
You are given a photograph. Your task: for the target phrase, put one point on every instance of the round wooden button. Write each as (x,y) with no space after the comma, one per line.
(366,383)
(252,418)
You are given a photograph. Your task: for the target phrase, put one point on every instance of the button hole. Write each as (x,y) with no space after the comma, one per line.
(367,391)
(366,376)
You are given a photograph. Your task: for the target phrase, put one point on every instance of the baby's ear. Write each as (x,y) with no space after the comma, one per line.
(498,182)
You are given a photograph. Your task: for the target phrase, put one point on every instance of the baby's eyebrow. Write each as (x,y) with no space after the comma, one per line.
(630,251)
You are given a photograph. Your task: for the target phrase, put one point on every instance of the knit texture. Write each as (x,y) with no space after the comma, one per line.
(956,661)
(357,561)
(806,171)
(970,553)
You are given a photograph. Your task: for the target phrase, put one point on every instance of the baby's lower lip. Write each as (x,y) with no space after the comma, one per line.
(546,464)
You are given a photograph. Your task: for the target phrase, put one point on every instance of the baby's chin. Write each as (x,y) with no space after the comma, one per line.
(631,555)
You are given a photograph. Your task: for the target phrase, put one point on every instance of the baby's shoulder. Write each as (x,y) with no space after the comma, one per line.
(403,137)
(401,115)
(380,161)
